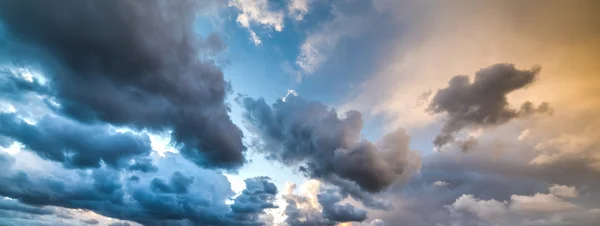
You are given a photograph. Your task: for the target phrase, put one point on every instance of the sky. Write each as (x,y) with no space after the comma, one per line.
(300,112)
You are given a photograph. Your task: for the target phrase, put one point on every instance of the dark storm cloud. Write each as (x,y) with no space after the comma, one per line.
(129,63)
(187,201)
(329,200)
(73,144)
(325,145)
(482,102)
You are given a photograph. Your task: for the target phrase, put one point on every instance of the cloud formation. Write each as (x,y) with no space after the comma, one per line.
(61,140)
(482,102)
(318,205)
(325,145)
(259,13)
(130,64)
(193,197)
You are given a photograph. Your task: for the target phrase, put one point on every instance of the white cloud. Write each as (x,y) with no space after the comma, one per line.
(564,191)
(257,12)
(298,8)
(441,184)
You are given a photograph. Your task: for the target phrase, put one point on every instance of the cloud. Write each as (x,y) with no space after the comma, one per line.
(142,58)
(440,183)
(181,200)
(318,205)
(576,147)
(320,44)
(329,199)
(297,9)
(258,196)
(327,146)
(90,221)
(61,140)
(259,13)
(538,209)
(563,191)
(482,102)
(119,224)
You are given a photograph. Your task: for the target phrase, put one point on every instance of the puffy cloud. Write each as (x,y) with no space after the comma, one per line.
(327,146)
(142,57)
(482,102)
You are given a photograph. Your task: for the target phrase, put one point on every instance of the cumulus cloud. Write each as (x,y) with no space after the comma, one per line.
(135,64)
(328,146)
(482,102)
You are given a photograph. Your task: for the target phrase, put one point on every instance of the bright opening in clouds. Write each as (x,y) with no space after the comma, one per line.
(300,113)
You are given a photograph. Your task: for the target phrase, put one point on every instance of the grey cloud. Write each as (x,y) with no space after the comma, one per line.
(302,210)
(178,183)
(74,144)
(299,211)
(258,196)
(482,102)
(119,224)
(14,205)
(91,221)
(325,145)
(132,63)
(102,191)
(329,200)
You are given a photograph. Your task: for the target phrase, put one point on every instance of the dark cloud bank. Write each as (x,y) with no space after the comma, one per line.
(130,63)
(483,102)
